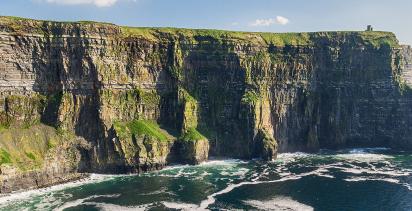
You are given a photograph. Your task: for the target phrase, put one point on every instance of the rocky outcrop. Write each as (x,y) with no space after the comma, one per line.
(265,146)
(144,97)
(37,157)
(192,151)
(140,146)
(407,70)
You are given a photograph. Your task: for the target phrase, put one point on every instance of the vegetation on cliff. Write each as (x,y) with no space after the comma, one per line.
(27,148)
(4,157)
(192,135)
(141,127)
(373,38)
(250,97)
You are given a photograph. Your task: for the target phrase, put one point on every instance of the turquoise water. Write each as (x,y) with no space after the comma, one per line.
(356,179)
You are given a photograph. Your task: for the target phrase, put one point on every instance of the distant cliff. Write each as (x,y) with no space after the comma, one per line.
(114,99)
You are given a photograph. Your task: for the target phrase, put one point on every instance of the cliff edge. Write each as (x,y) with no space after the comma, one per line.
(121,99)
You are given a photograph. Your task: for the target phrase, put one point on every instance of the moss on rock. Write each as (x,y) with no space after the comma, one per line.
(265,146)
(141,128)
(190,110)
(27,148)
(22,110)
(142,144)
(192,135)
(250,97)
(193,152)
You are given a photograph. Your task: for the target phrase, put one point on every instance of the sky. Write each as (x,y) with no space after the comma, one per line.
(239,15)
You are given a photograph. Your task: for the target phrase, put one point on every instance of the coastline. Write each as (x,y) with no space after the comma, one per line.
(12,185)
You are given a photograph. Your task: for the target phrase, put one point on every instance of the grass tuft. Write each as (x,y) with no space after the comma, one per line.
(141,127)
(250,97)
(30,155)
(192,135)
(4,156)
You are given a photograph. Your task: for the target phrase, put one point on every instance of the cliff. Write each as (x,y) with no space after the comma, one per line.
(136,99)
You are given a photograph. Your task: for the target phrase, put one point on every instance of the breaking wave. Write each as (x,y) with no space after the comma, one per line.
(279,203)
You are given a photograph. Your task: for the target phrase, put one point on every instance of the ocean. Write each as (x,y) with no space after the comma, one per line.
(352,179)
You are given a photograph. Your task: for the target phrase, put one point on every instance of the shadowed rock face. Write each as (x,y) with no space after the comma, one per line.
(132,92)
(407,70)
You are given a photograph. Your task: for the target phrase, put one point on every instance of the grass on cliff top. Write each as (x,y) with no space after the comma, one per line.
(141,127)
(277,39)
(283,39)
(154,33)
(192,135)
(24,25)
(377,39)
(15,18)
(374,38)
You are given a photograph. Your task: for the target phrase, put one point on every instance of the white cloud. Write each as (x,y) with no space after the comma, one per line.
(267,22)
(282,20)
(263,22)
(98,3)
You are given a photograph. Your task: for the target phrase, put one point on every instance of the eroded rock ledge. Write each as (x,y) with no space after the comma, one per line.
(136,99)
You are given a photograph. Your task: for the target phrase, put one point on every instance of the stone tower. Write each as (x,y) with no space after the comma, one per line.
(369,28)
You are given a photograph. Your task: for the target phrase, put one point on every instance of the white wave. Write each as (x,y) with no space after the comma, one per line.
(320,171)
(367,171)
(178,174)
(224,173)
(240,172)
(367,150)
(111,207)
(93,178)
(362,179)
(202,176)
(364,157)
(183,169)
(389,180)
(323,172)
(361,155)
(386,171)
(221,162)
(114,207)
(50,200)
(181,206)
(355,153)
(78,202)
(279,203)
(292,156)
(409,186)
(212,198)
(168,168)
(160,191)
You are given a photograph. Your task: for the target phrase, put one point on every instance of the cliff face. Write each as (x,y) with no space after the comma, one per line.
(144,97)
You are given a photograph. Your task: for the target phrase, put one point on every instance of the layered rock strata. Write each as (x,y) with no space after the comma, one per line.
(145,97)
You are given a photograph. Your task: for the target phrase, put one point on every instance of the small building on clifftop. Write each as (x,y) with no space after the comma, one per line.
(369,28)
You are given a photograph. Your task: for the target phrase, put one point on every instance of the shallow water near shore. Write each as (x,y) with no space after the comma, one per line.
(353,179)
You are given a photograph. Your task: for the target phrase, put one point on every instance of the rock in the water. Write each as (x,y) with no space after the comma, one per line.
(193,152)
(265,146)
(192,148)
